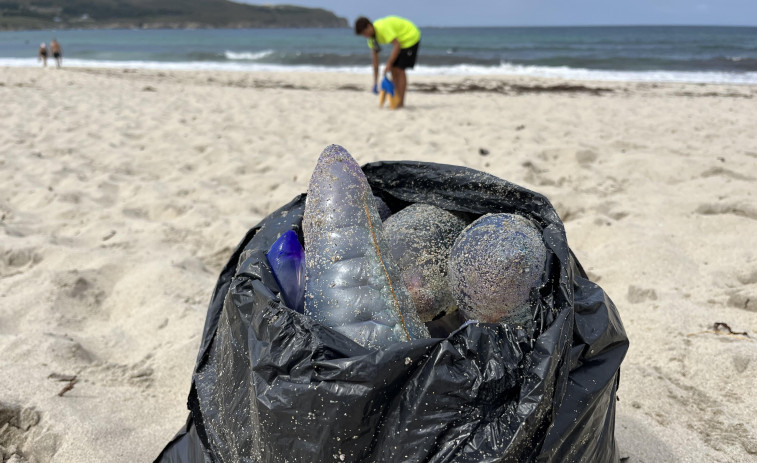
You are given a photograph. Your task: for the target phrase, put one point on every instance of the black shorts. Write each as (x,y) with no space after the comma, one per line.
(406,58)
(56,55)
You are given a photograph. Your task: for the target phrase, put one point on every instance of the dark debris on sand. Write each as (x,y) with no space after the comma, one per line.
(468,86)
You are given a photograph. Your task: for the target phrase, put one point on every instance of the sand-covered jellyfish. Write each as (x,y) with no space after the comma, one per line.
(420,237)
(383,208)
(493,266)
(351,282)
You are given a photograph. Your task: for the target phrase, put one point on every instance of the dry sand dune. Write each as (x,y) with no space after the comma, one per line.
(122,194)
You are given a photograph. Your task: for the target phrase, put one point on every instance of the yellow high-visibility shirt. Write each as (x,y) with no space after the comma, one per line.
(394,27)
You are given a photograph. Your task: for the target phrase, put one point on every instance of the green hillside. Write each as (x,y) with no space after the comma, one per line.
(157,14)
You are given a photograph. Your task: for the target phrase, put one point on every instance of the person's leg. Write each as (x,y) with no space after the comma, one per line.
(400,84)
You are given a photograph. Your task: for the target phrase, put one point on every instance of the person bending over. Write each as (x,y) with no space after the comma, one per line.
(405,38)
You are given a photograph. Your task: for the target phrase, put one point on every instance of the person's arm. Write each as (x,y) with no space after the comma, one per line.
(393,55)
(375,56)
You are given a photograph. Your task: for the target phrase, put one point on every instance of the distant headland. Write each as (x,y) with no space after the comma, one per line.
(158,14)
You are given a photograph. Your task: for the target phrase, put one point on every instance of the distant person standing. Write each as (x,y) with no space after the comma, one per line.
(57,52)
(405,38)
(42,54)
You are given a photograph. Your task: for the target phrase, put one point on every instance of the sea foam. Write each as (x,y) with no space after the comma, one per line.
(248,64)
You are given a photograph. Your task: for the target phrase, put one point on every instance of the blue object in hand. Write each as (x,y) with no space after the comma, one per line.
(375,89)
(287,260)
(387,86)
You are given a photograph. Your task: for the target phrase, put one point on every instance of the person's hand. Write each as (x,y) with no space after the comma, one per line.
(375,89)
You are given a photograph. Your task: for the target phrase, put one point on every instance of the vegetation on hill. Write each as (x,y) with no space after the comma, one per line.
(157,14)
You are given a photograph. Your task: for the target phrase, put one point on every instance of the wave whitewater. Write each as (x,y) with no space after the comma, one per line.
(247,55)
(558,72)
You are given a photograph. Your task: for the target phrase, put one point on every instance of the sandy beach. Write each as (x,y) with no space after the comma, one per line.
(123,193)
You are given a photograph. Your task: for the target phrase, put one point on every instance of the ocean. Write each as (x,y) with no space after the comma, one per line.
(633,53)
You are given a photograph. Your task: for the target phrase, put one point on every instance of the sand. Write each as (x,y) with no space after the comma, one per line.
(122,194)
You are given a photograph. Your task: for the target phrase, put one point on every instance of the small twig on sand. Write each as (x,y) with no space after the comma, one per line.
(61,377)
(67,387)
(724,330)
(720,325)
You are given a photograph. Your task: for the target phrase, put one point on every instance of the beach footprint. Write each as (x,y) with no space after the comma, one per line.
(167,211)
(586,157)
(710,421)
(22,439)
(637,295)
(114,374)
(612,209)
(734,208)
(568,211)
(109,194)
(719,171)
(744,295)
(81,295)
(15,261)
(537,175)
(64,350)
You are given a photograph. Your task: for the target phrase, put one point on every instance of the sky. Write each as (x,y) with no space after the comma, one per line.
(545,12)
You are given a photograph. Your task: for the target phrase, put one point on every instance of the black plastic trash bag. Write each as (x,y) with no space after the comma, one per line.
(271,385)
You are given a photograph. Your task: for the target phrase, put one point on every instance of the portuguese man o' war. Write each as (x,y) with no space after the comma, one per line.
(383,208)
(420,237)
(351,282)
(493,266)
(287,260)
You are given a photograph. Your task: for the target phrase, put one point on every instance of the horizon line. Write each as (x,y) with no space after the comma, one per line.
(531,26)
(592,25)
